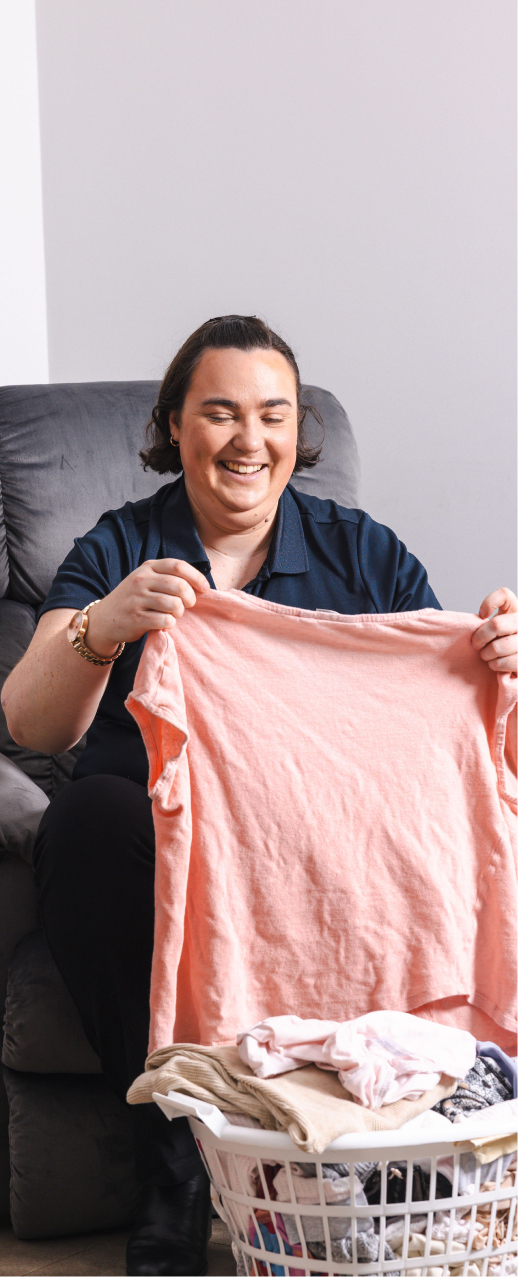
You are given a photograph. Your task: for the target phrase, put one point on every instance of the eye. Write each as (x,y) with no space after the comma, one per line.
(273,421)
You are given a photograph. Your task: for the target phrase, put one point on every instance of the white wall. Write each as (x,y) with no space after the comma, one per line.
(344,168)
(23,318)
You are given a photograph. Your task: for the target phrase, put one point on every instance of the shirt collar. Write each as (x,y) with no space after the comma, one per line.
(180,539)
(287,554)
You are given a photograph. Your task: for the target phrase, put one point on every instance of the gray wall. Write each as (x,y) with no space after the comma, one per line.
(344,168)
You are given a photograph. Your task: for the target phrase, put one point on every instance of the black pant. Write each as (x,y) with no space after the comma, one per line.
(94,861)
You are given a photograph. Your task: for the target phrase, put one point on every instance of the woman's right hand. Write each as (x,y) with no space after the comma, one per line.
(153,597)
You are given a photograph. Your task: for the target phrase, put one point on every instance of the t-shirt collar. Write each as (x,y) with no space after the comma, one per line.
(287,554)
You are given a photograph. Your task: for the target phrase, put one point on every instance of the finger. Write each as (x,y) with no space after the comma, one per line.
(500,647)
(159,621)
(504,665)
(178,567)
(505,623)
(503,599)
(165,604)
(168,587)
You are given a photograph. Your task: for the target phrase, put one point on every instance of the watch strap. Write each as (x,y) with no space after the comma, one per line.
(81,647)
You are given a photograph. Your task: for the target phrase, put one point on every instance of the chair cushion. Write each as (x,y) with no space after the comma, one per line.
(18,905)
(22,804)
(43,1032)
(72,1156)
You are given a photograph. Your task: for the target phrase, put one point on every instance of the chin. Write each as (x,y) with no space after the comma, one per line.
(243,507)
(244,498)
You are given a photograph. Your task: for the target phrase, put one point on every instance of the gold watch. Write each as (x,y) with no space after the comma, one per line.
(76,632)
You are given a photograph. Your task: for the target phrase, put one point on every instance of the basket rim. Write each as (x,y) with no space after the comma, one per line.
(398,1138)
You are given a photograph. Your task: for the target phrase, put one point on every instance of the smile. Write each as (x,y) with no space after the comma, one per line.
(239,468)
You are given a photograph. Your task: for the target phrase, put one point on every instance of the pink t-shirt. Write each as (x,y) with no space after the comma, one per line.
(332,798)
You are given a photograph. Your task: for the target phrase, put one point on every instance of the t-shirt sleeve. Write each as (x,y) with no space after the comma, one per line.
(394,579)
(97,563)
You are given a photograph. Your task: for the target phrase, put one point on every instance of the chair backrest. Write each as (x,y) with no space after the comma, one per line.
(69,452)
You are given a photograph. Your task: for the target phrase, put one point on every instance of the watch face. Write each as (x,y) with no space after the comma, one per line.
(74,626)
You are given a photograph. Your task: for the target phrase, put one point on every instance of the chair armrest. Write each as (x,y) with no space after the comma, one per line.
(22,804)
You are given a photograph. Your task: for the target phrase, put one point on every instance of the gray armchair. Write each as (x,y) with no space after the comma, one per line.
(67,453)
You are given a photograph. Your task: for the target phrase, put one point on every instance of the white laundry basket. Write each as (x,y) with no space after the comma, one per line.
(433,1238)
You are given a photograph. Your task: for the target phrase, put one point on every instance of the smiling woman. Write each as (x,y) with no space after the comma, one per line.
(230,422)
(228,332)
(237,453)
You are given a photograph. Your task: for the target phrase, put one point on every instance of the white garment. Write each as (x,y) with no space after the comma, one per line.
(380,1057)
(307,1192)
(428,1121)
(503,1116)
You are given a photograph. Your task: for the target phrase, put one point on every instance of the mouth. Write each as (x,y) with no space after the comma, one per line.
(242,467)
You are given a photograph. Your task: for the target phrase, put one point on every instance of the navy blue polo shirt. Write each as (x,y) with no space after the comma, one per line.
(321,556)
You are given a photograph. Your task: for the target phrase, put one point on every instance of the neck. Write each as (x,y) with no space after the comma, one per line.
(234,541)
(235,554)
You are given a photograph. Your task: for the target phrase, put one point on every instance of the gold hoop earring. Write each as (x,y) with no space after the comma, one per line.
(175,443)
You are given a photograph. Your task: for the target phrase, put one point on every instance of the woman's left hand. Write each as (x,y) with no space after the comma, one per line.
(497,640)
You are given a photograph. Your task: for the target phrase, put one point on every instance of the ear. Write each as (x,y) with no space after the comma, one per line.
(174,425)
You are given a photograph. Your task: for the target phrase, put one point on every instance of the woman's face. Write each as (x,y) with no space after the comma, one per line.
(238,435)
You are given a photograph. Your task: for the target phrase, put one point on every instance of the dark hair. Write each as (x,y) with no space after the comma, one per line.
(246,332)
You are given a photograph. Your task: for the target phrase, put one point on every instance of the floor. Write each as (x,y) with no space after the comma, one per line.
(93,1255)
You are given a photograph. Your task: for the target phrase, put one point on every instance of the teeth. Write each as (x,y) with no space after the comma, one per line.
(240,469)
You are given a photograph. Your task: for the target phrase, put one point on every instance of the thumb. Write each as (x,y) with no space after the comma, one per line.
(502,600)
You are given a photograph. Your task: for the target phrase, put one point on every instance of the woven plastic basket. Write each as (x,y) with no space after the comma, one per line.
(470,1235)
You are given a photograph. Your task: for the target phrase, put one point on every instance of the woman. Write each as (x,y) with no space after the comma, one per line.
(229,416)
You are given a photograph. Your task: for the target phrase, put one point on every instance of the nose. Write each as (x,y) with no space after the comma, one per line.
(248,437)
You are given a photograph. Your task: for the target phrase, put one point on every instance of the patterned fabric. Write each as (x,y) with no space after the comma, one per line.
(336,1170)
(367,1249)
(483,1085)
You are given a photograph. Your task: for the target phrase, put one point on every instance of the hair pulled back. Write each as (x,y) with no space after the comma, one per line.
(244,332)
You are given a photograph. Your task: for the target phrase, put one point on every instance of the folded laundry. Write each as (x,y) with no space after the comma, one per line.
(380,1058)
(311,1105)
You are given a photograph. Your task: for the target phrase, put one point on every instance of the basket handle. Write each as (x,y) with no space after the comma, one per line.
(176,1104)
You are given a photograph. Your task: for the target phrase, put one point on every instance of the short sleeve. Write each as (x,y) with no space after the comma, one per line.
(97,563)
(394,579)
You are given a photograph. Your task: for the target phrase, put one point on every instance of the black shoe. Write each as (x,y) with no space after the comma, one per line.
(172,1230)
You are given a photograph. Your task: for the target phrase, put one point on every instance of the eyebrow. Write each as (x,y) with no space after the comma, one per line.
(218,401)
